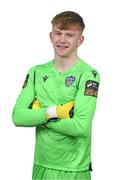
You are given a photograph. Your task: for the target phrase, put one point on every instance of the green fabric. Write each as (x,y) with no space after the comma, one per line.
(22,115)
(64,144)
(53,174)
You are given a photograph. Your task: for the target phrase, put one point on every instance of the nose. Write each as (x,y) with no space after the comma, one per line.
(62,38)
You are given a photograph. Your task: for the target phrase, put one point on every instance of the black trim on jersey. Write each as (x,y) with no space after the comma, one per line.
(26,81)
(34,77)
(90,167)
(31,104)
(54,119)
(79,81)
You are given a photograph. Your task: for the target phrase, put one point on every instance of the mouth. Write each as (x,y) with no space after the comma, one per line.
(62,46)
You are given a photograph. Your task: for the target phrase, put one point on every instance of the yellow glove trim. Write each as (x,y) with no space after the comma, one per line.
(64,110)
(36,104)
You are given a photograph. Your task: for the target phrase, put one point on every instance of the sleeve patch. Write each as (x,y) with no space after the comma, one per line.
(91,88)
(26,81)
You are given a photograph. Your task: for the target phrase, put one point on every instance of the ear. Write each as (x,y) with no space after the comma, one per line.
(80,40)
(50,37)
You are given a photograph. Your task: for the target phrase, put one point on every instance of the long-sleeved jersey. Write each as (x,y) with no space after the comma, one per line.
(64,144)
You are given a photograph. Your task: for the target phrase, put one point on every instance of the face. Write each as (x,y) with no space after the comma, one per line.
(65,42)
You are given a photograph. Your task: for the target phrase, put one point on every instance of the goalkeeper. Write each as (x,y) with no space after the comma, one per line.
(59,99)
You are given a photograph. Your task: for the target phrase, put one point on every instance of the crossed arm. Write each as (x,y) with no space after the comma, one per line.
(78,125)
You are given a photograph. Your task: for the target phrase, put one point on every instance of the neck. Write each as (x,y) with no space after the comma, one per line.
(64,63)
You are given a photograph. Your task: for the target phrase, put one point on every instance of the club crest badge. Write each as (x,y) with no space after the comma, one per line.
(69,80)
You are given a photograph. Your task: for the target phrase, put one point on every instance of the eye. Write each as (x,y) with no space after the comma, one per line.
(57,33)
(70,35)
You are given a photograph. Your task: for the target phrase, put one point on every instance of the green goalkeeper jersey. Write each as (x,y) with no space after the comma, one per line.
(64,144)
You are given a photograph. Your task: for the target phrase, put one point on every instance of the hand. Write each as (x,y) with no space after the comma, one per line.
(66,110)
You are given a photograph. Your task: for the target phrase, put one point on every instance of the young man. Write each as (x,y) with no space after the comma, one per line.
(66,90)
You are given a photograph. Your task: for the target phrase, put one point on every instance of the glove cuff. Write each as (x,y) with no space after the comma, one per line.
(51,112)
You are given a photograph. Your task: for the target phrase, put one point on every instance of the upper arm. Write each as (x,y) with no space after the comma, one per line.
(22,115)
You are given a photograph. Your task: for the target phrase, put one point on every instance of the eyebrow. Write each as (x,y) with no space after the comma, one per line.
(68,31)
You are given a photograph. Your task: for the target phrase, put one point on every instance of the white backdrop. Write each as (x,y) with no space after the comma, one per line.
(24,42)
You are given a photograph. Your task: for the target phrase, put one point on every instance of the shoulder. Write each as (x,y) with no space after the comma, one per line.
(85,67)
(89,71)
(43,66)
(40,67)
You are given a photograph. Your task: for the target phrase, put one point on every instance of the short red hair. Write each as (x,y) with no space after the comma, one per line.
(68,20)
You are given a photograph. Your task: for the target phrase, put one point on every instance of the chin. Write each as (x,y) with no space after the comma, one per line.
(63,56)
(66,54)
